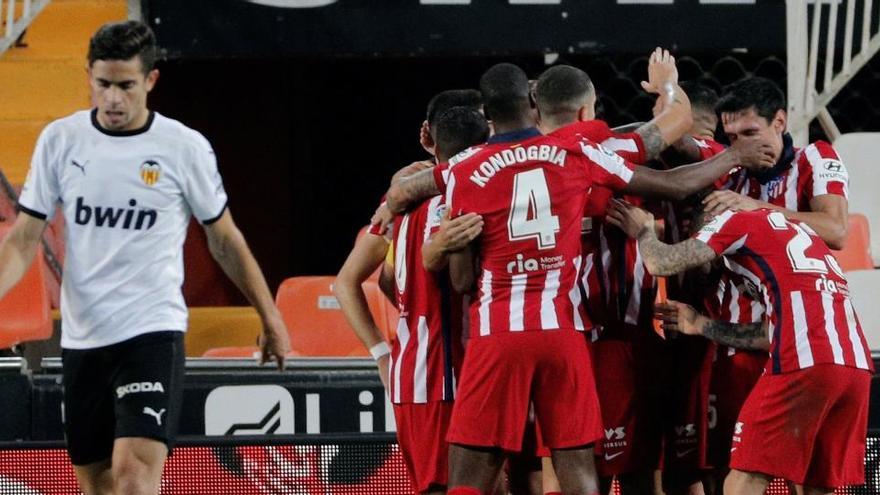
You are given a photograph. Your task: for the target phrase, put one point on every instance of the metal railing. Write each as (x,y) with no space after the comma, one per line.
(12,26)
(805,100)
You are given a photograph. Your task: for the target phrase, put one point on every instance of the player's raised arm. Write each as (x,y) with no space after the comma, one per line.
(661,259)
(18,248)
(680,317)
(673,117)
(230,250)
(365,257)
(683,181)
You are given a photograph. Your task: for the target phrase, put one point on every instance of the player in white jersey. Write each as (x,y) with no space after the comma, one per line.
(127,181)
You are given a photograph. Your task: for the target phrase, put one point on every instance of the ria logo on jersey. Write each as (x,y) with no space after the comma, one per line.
(524,265)
(108,216)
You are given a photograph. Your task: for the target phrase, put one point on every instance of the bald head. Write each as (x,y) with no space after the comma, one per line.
(505,89)
(561,93)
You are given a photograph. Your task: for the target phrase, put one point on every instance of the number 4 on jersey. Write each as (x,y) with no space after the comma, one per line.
(530,215)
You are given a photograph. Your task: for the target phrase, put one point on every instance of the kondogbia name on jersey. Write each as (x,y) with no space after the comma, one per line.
(518,154)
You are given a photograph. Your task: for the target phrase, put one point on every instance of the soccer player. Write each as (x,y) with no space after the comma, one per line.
(620,293)
(806,184)
(427,353)
(527,321)
(370,249)
(809,184)
(128,180)
(819,369)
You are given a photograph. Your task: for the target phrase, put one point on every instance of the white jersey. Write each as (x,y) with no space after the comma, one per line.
(127,198)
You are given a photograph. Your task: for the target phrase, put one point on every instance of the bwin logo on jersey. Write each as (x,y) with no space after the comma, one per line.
(104,216)
(150,172)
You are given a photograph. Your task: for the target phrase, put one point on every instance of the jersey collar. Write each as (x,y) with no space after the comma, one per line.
(513,136)
(132,132)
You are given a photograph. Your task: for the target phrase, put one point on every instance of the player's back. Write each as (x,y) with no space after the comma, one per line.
(428,349)
(531,191)
(787,265)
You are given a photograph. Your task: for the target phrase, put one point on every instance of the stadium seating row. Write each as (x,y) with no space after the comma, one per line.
(315,321)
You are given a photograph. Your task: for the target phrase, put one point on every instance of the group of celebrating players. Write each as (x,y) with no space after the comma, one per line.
(525,265)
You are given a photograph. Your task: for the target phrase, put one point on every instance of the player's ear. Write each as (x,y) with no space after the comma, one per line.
(425,138)
(151,79)
(779,121)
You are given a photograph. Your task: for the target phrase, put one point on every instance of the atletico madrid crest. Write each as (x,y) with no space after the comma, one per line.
(150,172)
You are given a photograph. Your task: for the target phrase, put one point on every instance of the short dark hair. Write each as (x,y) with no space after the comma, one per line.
(701,96)
(459,128)
(444,100)
(759,93)
(562,89)
(124,41)
(505,89)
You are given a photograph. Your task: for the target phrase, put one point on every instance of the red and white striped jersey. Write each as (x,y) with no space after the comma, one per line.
(427,352)
(614,277)
(813,171)
(787,266)
(809,172)
(531,191)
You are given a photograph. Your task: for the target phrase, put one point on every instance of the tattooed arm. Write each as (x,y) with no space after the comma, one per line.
(685,319)
(661,259)
(408,190)
(683,181)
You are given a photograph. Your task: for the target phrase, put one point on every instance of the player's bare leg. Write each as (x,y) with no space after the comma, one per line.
(95,478)
(576,470)
(548,476)
(137,465)
(474,467)
(744,483)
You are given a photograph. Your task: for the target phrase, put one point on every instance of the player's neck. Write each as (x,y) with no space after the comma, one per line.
(513,125)
(139,122)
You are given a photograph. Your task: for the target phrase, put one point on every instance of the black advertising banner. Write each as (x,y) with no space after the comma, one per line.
(370,28)
(315,398)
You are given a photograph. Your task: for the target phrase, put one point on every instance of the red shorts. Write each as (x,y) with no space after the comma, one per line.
(687,401)
(421,434)
(808,426)
(630,386)
(501,374)
(734,374)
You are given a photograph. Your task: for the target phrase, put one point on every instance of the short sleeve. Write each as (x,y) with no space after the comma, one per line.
(725,233)
(441,176)
(41,192)
(456,196)
(607,168)
(628,145)
(828,172)
(204,191)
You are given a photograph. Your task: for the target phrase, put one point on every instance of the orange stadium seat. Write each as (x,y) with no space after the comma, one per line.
(315,321)
(856,254)
(26,309)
